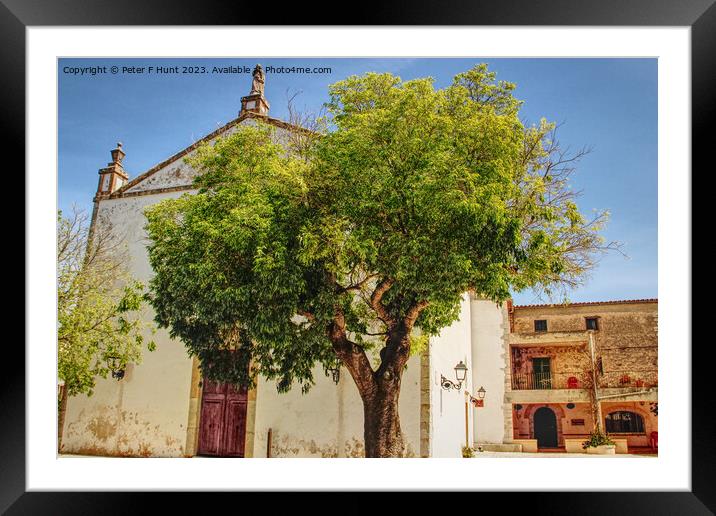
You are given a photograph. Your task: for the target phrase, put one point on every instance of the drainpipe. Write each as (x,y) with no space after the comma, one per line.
(467,433)
(597,399)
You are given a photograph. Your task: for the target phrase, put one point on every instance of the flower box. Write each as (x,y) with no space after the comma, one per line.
(602,449)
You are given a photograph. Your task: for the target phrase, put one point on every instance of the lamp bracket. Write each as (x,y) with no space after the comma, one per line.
(449,384)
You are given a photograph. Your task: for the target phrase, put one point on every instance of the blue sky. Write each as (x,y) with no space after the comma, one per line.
(607,104)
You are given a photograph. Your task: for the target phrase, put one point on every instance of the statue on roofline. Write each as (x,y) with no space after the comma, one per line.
(257,85)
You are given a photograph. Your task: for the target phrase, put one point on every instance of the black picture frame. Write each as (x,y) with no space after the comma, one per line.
(700,15)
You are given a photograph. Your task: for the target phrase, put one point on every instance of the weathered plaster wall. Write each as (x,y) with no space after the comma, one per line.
(447,432)
(146,413)
(178,173)
(489,369)
(328,420)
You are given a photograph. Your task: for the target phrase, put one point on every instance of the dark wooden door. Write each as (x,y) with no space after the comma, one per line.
(222,427)
(545,425)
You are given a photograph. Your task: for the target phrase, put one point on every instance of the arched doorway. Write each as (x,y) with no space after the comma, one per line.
(545,428)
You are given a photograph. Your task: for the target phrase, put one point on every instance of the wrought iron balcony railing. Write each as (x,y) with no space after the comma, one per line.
(628,381)
(538,381)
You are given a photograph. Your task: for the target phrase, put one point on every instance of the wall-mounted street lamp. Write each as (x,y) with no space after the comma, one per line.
(335,374)
(115,365)
(476,402)
(460,375)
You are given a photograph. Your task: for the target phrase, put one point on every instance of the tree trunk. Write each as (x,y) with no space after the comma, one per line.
(380,389)
(382,433)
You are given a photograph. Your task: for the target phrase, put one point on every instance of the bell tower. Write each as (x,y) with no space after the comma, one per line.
(113,176)
(255,102)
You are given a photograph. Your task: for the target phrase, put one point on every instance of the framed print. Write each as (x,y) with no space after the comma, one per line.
(373,333)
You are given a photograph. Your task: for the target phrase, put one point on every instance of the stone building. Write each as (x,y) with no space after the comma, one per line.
(549,363)
(162,408)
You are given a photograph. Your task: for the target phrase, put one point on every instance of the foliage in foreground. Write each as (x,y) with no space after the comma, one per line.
(98,305)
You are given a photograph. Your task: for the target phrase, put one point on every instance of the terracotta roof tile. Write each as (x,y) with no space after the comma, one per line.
(591,303)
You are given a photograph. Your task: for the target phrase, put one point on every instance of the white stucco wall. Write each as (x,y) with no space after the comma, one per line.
(447,428)
(489,362)
(328,420)
(179,173)
(146,413)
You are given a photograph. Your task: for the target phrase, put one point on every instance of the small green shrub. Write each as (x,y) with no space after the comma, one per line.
(596,438)
(468,452)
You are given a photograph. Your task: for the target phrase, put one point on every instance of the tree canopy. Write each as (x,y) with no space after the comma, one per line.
(412,196)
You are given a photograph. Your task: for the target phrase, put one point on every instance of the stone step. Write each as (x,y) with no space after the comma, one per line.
(502,447)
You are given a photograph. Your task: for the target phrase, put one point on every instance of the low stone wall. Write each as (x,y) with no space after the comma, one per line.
(528,445)
(575,445)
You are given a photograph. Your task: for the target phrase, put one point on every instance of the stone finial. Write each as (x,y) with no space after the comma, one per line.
(112,177)
(117,154)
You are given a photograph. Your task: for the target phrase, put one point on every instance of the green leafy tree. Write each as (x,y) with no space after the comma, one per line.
(340,251)
(98,305)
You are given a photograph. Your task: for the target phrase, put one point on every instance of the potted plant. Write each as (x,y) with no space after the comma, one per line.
(599,444)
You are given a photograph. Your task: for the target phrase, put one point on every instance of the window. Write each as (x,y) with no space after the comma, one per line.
(542,373)
(592,323)
(541,325)
(624,422)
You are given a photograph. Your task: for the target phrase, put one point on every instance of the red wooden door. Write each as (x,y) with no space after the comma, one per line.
(222,427)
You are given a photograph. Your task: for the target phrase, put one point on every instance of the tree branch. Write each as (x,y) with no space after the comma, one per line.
(356,286)
(413,314)
(352,356)
(375,300)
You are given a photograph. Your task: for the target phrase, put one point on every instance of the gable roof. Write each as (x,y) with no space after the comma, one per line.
(123,191)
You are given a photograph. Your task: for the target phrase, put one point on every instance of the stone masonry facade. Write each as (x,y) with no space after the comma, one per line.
(626,338)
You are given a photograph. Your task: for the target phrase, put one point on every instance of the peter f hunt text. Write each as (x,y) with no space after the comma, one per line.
(136,70)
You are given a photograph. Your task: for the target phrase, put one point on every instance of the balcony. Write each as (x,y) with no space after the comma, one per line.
(554,381)
(545,381)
